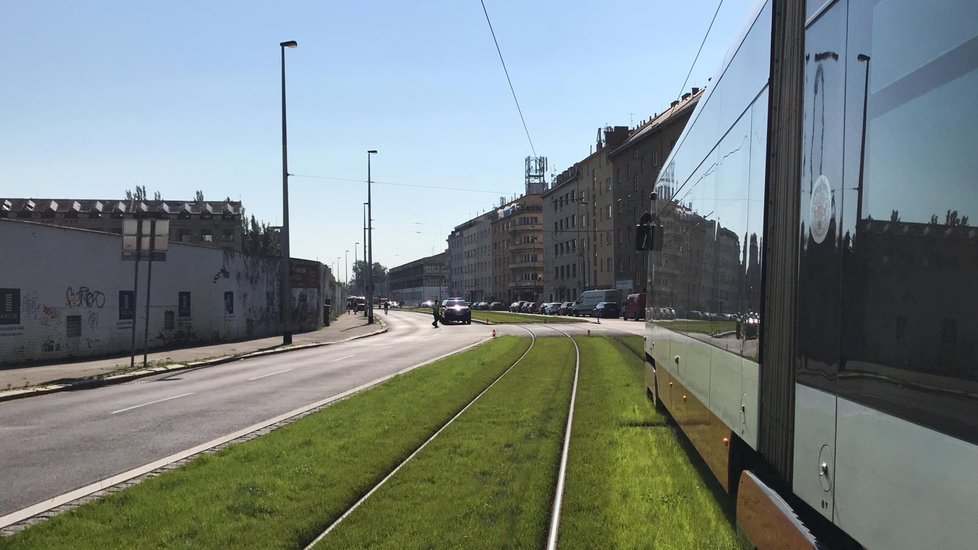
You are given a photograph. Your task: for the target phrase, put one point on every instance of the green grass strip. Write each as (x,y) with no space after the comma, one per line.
(283,489)
(631,482)
(505,317)
(487,481)
(705,327)
(502,317)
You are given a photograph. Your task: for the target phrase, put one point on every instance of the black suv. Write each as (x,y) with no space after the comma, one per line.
(456,310)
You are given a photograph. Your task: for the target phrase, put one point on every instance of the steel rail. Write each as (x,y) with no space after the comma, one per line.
(562,473)
(421,447)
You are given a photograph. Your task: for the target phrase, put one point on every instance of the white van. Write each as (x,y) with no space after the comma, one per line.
(590,298)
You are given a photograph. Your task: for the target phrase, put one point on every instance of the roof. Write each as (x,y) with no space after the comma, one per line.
(655,123)
(116,206)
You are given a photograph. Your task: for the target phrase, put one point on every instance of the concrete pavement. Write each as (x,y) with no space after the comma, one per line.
(26,381)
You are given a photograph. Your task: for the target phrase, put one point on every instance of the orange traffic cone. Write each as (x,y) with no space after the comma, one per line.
(493,333)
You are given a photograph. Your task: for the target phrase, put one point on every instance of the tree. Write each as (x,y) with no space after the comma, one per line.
(895,216)
(199,196)
(157,196)
(358,283)
(139,194)
(258,238)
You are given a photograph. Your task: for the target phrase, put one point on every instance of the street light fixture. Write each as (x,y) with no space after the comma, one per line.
(356,257)
(286,272)
(370,248)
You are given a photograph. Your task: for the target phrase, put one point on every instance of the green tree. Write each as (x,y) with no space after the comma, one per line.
(259,238)
(358,283)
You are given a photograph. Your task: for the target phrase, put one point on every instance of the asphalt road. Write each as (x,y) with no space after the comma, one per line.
(53,444)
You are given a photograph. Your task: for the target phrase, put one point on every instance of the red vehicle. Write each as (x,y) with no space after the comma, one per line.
(634,307)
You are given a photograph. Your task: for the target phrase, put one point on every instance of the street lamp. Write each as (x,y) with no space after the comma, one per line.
(356,256)
(285,268)
(346,268)
(364,282)
(370,248)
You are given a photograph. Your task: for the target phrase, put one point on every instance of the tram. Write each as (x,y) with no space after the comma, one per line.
(819,215)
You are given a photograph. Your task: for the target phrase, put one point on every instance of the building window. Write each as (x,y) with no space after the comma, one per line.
(184,235)
(74,326)
(229,302)
(127,305)
(168,320)
(183,308)
(655,157)
(609,212)
(9,306)
(206,235)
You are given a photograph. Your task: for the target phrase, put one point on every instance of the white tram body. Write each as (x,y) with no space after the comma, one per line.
(821,191)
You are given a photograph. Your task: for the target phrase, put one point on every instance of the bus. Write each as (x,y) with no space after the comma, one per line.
(820,197)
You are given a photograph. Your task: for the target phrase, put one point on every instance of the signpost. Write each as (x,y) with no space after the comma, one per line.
(143,240)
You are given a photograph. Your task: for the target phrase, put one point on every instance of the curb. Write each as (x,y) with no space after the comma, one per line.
(92,383)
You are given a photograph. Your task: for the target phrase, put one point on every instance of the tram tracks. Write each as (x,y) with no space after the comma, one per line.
(557,486)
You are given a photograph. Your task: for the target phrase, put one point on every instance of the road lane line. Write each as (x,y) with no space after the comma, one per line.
(269,374)
(54,502)
(152,402)
(341,358)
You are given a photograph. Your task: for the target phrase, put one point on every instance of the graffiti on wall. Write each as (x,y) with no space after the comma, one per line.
(84,297)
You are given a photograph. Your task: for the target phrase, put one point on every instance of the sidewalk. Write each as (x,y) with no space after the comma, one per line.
(27,381)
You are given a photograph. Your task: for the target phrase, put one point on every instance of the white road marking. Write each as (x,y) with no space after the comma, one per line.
(54,502)
(381,347)
(269,374)
(152,402)
(341,358)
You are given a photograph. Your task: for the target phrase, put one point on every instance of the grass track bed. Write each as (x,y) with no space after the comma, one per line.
(283,489)
(488,480)
(630,481)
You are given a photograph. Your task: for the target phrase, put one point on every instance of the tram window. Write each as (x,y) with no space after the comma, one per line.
(909,322)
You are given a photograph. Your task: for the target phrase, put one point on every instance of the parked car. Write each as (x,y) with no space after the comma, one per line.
(566,308)
(456,311)
(427,303)
(590,298)
(497,306)
(748,326)
(606,310)
(515,306)
(552,308)
(634,307)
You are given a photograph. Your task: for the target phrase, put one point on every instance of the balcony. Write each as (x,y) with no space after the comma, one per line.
(526,285)
(526,246)
(519,264)
(525,228)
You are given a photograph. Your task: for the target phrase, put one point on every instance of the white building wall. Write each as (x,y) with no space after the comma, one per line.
(62,276)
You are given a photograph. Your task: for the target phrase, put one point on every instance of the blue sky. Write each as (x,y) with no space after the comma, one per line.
(99,97)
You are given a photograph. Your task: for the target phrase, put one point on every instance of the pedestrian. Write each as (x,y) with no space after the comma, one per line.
(387,305)
(434,313)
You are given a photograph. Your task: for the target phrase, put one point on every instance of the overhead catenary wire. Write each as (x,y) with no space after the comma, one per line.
(375,182)
(685,82)
(510,81)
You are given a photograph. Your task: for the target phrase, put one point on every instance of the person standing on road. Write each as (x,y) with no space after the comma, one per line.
(434,313)
(387,306)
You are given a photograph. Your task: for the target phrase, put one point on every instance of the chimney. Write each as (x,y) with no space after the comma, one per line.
(674,103)
(686,96)
(696,90)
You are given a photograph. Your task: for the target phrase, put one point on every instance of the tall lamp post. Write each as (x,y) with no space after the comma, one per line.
(370,248)
(346,268)
(356,257)
(285,268)
(364,282)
